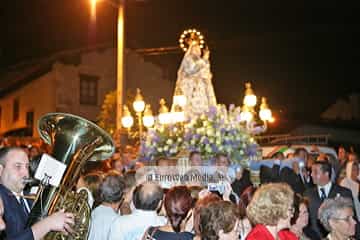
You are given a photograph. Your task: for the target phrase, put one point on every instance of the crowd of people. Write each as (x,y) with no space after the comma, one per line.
(317,200)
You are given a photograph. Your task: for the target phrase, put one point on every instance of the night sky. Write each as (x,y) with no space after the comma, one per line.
(302,55)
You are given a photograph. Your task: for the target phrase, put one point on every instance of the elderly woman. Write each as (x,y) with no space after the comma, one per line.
(270,210)
(337,216)
(219,220)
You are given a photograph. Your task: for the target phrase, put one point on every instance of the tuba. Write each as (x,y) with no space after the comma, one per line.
(74,141)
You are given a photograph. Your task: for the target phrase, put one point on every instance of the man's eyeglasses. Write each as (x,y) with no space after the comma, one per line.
(347,219)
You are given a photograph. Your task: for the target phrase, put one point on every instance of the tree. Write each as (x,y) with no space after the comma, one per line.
(107,117)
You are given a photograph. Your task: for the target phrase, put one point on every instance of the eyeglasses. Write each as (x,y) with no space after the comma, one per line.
(347,219)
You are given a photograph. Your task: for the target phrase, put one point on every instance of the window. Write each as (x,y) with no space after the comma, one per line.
(88,89)
(16,109)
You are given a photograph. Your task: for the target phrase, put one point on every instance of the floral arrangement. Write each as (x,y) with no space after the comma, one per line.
(218,130)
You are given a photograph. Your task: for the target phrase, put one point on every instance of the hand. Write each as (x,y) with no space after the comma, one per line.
(228,191)
(61,221)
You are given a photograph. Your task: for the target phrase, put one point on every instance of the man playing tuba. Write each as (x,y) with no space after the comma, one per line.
(14,169)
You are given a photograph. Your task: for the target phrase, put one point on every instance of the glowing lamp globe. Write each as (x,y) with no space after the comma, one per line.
(246,116)
(148,121)
(165,118)
(178,117)
(139,104)
(250,98)
(265,112)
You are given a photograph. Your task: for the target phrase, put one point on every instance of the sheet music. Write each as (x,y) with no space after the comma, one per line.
(50,169)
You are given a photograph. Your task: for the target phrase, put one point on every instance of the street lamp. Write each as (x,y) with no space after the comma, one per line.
(247,112)
(250,98)
(164,115)
(179,102)
(120,5)
(143,114)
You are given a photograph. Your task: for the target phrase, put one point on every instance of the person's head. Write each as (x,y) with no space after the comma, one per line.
(246,196)
(222,160)
(301,212)
(162,162)
(112,189)
(321,173)
(195,158)
(272,205)
(33,152)
(353,157)
(14,168)
(117,165)
(178,202)
(147,196)
(352,170)
(301,153)
(2,223)
(127,155)
(337,216)
(342,155)
(195,49)
(200,203)
(219,220)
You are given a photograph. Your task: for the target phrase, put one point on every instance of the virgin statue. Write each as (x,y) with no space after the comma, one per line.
(194,81)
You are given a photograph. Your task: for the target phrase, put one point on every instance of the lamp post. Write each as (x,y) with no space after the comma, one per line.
(248,111)
(120,6)
(143,114)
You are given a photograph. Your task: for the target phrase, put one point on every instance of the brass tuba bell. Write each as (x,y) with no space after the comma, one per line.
(74,140)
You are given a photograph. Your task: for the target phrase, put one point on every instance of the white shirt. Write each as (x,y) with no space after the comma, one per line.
(102,218)
(133,226)
(18,198)
(326,187)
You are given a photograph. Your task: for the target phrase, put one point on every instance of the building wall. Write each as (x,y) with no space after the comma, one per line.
(59,90)
(37,96)
(98,63)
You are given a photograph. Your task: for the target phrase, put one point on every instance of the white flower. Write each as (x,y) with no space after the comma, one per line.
(159,149)
(210,132)
(241,152)
(192,142)
(166,148)
(211,140)
(169,141)
(208,149)
(179,139)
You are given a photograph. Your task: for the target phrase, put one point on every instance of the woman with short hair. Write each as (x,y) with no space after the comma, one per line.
(219,220)
(337,216)
(270,210)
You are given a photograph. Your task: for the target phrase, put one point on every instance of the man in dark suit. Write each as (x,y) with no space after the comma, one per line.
(14,168)
(324,188)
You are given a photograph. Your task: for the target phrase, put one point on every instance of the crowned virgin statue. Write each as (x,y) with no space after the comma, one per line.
(194,81)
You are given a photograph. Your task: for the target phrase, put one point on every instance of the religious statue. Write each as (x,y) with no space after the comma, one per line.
(194,81)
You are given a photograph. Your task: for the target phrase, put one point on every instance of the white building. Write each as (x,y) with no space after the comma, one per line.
(73,82)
